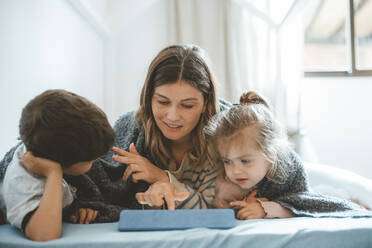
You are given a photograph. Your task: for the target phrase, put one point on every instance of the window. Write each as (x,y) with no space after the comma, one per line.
(338,38)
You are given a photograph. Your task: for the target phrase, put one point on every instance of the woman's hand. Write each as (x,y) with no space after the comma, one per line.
(84,216)
(40,166)
(159,191)
(138,166)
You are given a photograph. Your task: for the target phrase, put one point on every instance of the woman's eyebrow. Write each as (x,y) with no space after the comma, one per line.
(183,100)
(159,95)
(189,99)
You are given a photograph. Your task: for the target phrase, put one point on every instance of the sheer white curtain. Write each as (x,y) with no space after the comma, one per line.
(201,23)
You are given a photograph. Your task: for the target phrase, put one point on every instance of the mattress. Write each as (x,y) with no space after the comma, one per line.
(293,232)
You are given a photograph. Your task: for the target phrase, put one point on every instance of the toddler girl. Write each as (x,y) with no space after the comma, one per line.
(263,177)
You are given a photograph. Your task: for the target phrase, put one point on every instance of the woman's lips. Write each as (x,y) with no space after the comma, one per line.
(172,127)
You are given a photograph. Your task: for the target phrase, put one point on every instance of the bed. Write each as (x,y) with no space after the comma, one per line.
(293,232)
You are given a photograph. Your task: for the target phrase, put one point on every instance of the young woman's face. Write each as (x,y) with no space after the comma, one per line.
(244,162)
(177,108)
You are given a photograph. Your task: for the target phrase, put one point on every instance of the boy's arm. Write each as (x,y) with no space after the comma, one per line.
(46,221)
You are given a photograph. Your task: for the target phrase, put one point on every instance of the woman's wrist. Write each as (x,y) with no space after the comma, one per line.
(164,176)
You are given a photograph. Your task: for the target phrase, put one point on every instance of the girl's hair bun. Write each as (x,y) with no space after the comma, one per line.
(252,97)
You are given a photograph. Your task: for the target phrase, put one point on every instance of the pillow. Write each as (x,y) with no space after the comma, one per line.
(339,182)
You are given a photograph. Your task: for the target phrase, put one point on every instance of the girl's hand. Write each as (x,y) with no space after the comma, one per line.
(226,192)
(84,216)
(139,167)
(252,210)
(40,166)
(251,197)
(159,191)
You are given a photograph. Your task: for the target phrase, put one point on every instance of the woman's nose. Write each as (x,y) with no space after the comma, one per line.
(172,113)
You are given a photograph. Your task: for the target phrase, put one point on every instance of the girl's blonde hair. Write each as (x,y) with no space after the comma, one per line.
(271,139)
(173,64)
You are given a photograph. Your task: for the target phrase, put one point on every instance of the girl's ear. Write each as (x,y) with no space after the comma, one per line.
(270,173)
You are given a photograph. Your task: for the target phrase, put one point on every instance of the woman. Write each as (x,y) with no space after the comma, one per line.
(169,149)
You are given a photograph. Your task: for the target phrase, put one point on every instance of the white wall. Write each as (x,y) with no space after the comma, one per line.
(44,44)
(338,120)
(96,48)
(139,32)
(47,44)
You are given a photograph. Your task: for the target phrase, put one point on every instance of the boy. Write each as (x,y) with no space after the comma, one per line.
(62,134)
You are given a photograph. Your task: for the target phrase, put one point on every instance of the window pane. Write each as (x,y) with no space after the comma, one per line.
(363,33)
(325,40)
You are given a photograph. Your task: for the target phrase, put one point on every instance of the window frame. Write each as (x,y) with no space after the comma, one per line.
(350,43)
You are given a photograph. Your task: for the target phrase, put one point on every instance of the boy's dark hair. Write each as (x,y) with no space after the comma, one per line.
(65,127)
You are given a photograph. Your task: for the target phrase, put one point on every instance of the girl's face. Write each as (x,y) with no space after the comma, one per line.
(244,162)
(177,108)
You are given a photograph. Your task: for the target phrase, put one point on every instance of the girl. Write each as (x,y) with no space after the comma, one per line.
(259,162)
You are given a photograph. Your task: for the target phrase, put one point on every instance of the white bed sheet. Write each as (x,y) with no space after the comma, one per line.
(293,232)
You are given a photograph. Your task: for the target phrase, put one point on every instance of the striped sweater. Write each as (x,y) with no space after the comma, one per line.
(198,180)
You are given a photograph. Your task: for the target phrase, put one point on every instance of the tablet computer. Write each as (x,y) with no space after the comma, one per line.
(147,220)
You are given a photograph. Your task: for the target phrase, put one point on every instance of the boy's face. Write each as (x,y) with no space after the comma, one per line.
(244,162)
(78,168)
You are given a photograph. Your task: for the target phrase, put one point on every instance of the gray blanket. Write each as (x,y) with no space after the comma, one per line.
(96,190)
(296,195)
